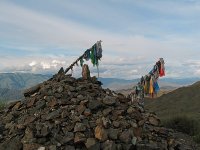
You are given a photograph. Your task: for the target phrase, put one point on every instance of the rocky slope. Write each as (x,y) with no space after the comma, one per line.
(65,113)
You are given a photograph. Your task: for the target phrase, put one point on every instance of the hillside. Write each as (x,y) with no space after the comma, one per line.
(20,80)
(10,94)
(13,84)
(180,102)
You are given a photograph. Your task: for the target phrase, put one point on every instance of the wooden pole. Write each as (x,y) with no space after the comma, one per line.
(72,65)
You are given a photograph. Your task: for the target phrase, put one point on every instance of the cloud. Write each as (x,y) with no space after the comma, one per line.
(135,34)
(42,30)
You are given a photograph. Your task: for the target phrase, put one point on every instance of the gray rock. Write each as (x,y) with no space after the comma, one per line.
(32,90)
(79,127)
(94,104)
(53,115)
(11,144)
(52,147)
(69,136)
(113,134)
(92,144)
(40,104)
(60,89)
(109,145)
(108,100)
(69,147)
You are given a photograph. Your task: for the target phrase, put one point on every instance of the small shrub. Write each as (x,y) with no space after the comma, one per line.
(183,124)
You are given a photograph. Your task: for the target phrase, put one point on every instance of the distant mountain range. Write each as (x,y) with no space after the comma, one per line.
(165,83)
(21,80)
(13,84)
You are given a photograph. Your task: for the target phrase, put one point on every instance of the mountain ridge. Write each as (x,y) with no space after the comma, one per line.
(13,84)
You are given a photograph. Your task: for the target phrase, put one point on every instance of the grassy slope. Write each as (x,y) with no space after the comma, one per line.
(183,101)
(20,80)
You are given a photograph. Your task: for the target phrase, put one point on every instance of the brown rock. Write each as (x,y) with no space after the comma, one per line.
(12,104)
(87,112)
(28,135)
(116,124)
(81,109)
(122,98)
(141,122)
(31,102)
(101,133)
(85,72)
(79,138)
(53,102)
(31,146)
(125,137)
(65,113)
(29,119)
(17,105)
(154,121)
(137,132)
(106,111)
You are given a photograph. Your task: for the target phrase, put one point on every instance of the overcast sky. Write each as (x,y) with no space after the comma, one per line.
(40,36)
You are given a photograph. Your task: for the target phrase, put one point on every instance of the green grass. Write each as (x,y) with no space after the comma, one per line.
(197,138)
(179,109)
(184,124)
(2,105)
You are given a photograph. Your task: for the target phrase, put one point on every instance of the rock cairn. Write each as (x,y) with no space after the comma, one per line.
(65,113)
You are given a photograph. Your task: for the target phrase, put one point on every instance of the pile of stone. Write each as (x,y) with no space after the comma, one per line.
(65,113)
